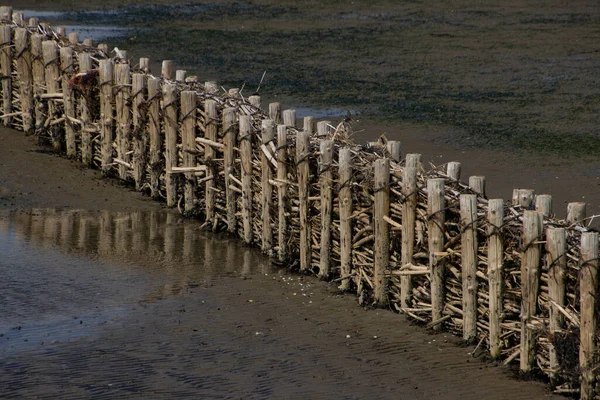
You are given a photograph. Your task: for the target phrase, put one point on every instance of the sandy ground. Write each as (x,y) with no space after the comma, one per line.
(136,319)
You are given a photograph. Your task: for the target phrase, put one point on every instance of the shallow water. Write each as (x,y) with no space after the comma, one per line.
(68,272)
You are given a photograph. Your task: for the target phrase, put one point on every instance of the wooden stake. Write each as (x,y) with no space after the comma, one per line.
(145,64)
(24,74)
(210,132)
(6,14)
(477,184)
(588,290)
(345,203)
(140,121)
(575,212)
(530,281)
(268,134)
(230,130)
(381,230)
(61,31)
(409,207)
(167,69)
(523,198)
(33,23)
(468,224)
(394,148)
(495,218)
(414,160)
(246,156)
(302,162)
(275,112)
(123,117)
(453,170)
(437,218)
(282,196)
(170,126)
(6,68)
(87,150)
(289,118)
(39,80)
(180,75)
(154,133)
(255,101)
(103,48)
(543,204)
(89,42)
(66,64)
(324,129)
(74,37)
(326,183)
(106,113)
(19,18)
(556,247)
(189,102)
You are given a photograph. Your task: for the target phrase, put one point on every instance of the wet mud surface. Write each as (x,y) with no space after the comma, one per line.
(146,305)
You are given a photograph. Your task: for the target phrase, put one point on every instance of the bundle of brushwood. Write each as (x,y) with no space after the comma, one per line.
(509,277)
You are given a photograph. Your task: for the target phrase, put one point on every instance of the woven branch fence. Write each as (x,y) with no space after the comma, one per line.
(507,276)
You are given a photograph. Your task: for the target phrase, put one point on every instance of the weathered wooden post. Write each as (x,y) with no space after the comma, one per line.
(588,290)
(230,130)
(123,116)
(145,64)
(25,77)
(345,204)
(154,129)
(409,207)
(275,112)
(326,184)
(302,162)
(189,102)
(414,160)
(84,113)
(89,42)
(543,204)
(170,124)
(73,37)
(324,129)
(477,184)
(530,282)
(381,230)
(282,196)
(268,135)
(39,80)
(210,133)
(437,218)
(106,113)
(289,118)
(52,73)
(556,247)
(255,101)
(246,156)
(6,69)
(167,69)
(139,122)
(394,148)
(495,218)
(523,198)
(66,64)
(453,170)
(576,212)
(469,246)
(180,75)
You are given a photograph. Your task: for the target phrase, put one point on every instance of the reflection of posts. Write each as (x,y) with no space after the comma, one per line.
(51,228)
(105,235)
(67,230)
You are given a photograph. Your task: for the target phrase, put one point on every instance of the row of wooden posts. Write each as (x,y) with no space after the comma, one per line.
(146,135)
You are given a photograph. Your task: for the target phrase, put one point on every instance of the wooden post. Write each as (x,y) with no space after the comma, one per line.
(495,218)
(230,130)
(73,37)
(84,114)
(255,101)
(268,134)
(588,290)
(414,160)
(5,69)
(170,124)
(326,183)
(211,87)
(543,204)
(19,18)
(289,118)
(103,48)
(167,69)
(154,134)
(575,212)
(210,133)
(324,129)
(180,75)
(140,120)
(39,80)
(188,140)
(89,42)
(25,77)
(275,112)
(61,31)
(556,247)
(6,14)
(395,149)
(246,156)
(345,203)
(302,156)
(123,108)
(437,218)
(145,64)
(381,230)
(468,224)
(523,197)
(282,196)
(106,113)
(530,282)
(409,207)
(66,64)
(33,23)
(453,170)
(477,184)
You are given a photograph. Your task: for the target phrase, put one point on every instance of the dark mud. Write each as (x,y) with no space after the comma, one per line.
(145,305)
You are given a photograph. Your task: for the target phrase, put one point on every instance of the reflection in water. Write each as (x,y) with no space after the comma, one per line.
(64,266)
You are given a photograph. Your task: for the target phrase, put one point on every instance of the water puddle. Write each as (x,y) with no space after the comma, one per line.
(66,273)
